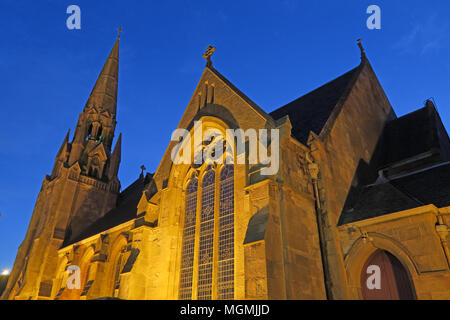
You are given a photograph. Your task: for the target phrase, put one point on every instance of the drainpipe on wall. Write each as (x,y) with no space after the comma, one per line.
(313,169)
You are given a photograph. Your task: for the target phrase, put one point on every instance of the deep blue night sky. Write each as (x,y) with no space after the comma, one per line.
(274,51)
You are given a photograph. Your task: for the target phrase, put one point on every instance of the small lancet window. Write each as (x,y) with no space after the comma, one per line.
(226,234)
(89,133)
(205,255)
(187,258)
(99,136)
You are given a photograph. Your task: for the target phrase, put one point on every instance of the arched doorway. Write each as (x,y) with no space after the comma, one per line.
(393,283)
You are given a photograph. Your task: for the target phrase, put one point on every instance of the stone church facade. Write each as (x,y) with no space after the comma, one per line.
(357,186)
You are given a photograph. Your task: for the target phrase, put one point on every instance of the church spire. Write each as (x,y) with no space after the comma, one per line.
(104,93)
(82,187)
(97,122)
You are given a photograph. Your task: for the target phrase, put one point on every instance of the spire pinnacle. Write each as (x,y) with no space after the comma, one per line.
(117,152)
(66,140)
(118,148)
(115,159)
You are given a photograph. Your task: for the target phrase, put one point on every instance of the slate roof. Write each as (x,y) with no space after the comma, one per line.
(413,134)
(418,183)
(431,186)
(126,210)
(425,187)
(311,111)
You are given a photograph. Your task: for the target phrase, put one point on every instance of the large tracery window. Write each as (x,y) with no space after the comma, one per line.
(187,259)
(214,248)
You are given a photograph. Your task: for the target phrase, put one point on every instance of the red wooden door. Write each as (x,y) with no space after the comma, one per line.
(394,282)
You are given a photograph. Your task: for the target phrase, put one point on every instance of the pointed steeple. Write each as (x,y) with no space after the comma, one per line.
(79,176)
(104,93)
(97,122)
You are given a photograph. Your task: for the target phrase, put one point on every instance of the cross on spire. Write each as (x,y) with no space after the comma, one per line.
(119,31)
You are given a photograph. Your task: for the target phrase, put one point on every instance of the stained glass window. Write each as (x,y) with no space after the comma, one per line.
(226,234)
(205,267)
(187,259)
(221,273)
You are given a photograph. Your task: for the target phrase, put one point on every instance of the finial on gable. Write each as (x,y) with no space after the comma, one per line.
(207,55)
(363,54)
(142,171)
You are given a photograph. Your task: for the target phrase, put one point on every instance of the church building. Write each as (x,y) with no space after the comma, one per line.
(359,207)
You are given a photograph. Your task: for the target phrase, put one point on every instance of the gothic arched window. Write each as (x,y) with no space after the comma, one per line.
(205,263)
(187,259)
(118,267)
(209,238)
(226,234)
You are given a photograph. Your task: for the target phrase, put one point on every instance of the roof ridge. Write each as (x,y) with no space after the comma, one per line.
(140,179)
(396,187)
(409,114)
(241,94)
(311,112)
(316,89)
(345,94)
